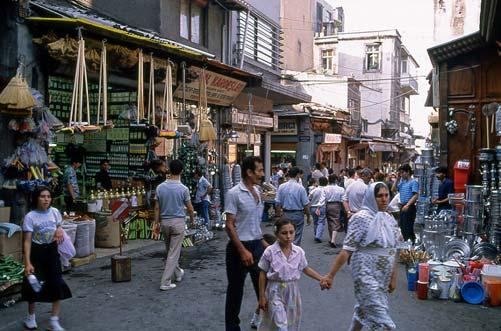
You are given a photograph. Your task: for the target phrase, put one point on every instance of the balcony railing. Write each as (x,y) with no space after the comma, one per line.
(409,84)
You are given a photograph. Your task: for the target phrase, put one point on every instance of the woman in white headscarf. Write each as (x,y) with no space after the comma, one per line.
(370,244)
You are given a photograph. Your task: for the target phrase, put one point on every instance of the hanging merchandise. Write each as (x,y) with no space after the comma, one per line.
(103,88)
(204,125)
(22,125)
(188,155)
(29,153)
(168,126)
(79,88)
(140,87)
(151,92)
(16,98)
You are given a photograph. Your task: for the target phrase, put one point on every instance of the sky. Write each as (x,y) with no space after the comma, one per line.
(414,20)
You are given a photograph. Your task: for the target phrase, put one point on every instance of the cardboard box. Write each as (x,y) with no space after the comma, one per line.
(9,246)
(107,231)
(5,214)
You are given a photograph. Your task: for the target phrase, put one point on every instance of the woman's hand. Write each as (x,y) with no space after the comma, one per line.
(59,235)
(263,304)
(28,269)
(317,212)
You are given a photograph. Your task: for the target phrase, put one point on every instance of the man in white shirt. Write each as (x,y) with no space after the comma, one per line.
(354,195)
(324,169)
(334,204)
(317,173)
(317,210)
(351,178)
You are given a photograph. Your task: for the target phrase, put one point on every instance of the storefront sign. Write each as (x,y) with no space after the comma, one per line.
(304,138)
(257,120)
(243,138)
(286,127)
(221,90)
(332,138)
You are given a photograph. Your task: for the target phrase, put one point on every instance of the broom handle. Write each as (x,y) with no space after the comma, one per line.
(99,88)
(80,83)
(73,97)
(105,84)
(164,101)
(139,83)
(86,87)
(151,94)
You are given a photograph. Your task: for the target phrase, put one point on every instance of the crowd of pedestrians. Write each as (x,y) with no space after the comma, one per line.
(354,202)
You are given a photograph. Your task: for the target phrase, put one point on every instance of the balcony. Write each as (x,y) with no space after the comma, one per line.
(408,85)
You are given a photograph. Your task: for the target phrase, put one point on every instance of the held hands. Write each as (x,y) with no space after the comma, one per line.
(326,283)
(317,212)
(247,258)
(59,235)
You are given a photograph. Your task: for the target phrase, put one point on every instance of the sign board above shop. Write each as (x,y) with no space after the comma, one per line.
(332,138)
(221,90)
(286,127)
(257,120)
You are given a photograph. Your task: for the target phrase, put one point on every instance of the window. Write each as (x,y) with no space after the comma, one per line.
(328,59)
(404,66)
(372,58)
(193,21)
(262,41)
(320,17)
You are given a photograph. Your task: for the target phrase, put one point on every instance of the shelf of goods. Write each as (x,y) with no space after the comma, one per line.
(122,145)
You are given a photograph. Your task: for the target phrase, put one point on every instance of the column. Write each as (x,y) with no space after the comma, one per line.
(267,156)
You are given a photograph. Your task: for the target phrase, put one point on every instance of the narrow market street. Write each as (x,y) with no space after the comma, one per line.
(198,302)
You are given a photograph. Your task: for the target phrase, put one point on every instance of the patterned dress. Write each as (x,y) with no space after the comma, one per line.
(282,290)
(372,264)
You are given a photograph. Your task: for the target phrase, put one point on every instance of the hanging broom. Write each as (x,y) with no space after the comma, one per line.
(207,131)
(103,88)
(16,98)
(140,86)
(151,93)
(80,87)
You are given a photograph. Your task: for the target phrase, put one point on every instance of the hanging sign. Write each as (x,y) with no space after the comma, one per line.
(221,90)
(331,138)
(257,120)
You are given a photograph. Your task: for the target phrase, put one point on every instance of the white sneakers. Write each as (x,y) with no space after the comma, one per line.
(179,274)
(168,287)
(54,324)
(255,321)
(30,322)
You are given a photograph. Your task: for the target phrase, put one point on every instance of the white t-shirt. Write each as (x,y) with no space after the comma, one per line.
(42,225)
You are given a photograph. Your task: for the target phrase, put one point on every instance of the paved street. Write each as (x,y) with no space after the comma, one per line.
(198,302)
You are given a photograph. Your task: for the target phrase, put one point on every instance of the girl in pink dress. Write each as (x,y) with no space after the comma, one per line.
(281,266)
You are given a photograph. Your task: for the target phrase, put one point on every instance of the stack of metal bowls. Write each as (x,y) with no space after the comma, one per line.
(473,210)
(495,220)
(484,250)
(498,159)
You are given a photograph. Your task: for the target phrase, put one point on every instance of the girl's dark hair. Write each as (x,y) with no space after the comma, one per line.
(282,222)
(269,238)
(378,187)
(36,195)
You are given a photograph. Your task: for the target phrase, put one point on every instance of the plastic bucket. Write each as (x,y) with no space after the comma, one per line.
(424,272)
(411,279)
(422,290)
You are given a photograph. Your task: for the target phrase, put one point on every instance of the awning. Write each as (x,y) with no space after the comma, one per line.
(326,148)
(146,41)
(382,147)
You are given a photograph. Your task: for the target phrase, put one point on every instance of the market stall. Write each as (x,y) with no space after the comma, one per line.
(457,254)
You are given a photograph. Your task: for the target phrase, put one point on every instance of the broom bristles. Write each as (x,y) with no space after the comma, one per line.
(17,95)
(207,131)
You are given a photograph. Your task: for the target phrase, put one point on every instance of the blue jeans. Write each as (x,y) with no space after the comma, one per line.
(296,217)
(203,211)
(318,221)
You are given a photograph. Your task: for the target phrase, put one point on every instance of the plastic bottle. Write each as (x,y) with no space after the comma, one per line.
(35,284)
